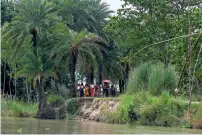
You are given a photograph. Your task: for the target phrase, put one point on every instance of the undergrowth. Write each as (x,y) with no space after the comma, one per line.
(13,108)
(147,109)
(55,100)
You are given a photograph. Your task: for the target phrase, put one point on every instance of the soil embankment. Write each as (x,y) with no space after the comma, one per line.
(96,110)
(88,108)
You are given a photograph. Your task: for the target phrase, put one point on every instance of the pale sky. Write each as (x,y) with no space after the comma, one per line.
(114,4)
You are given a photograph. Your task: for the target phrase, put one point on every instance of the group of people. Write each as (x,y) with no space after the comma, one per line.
(95,90)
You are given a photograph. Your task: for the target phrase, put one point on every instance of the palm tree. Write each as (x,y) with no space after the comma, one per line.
(112,67)
(31,19)
(99,15)
(38,68)
(73,47)
(85,14)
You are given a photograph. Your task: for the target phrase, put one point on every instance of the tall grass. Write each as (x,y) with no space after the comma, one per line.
(163,110)
(13,108)
(161,78)
(139,78)
(147,109)
(153,78)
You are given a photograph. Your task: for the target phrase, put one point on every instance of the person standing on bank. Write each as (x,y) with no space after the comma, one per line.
(92,90)
(113,91)
(86,90)
(81,90)
(78,90)
(104,89)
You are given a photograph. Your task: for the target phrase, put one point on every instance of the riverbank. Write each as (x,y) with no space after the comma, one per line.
(140,108)
(144,109)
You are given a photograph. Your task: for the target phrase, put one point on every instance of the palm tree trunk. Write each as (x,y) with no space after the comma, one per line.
(27,91)
(41,96)
(45,111)
(4,79)
(121,86)
(100,73)
(127,69)
(34,38)
(90,74)
(30,89)
(72,75)
(57,82)
(15,84)
(10,84)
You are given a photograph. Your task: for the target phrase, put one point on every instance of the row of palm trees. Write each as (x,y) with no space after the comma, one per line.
(61,32)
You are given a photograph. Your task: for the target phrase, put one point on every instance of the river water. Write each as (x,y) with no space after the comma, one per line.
(36,126)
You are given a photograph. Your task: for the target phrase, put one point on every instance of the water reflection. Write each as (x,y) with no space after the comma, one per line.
(36,126)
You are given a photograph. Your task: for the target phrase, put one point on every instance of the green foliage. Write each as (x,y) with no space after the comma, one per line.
(38,67)
(146,109)
(139,77)
(17,108)
(198,114)
(89,14)
(62,89)
(161,111)
(152,78)
(144,31)
(161,78)
(73,106)
(122,114)
(55,100)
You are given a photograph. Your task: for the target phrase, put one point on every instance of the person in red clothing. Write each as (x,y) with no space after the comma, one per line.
(97,90)
(92,90)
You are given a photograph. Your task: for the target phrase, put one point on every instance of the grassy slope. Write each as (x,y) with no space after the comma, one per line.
(17,108)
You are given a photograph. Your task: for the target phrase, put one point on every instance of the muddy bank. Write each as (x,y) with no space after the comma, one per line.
(87,108)
(96,109)
(108,110)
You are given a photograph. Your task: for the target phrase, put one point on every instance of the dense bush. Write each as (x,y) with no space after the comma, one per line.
(152,78)
(73,107)
(55,100)
(197,118)
(123,113)
(147,109)
(13,108)
(161,111)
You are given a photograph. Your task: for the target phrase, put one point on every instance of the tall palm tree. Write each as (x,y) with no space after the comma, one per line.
(31,19)
(85,14)
(38,68)
(99,15)
(73,47)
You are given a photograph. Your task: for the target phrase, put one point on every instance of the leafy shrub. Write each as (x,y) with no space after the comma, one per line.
(123,113)
(55,100)
(62,89)
(161,111)
(73,107)
(198,114)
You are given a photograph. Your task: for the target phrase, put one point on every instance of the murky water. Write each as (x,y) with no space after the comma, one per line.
(36,126)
